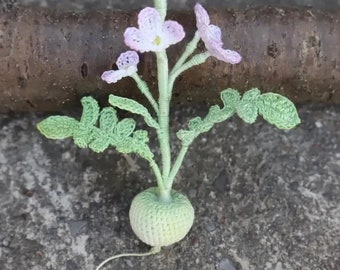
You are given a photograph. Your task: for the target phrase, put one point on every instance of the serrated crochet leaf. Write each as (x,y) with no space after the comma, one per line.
(140,139)
(135,144)
(83,135)
(100,144)
(124,128)
(58,127)
(215,114)
(278,110)
(230,97)
(141,136)
(86,133)
(195,123)
(247,108)
(108,119)
(186,136)
(134,107)
(90,111)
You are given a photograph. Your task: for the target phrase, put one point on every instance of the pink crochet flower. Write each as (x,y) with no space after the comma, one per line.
(153,34)
(127,65)
(212,37)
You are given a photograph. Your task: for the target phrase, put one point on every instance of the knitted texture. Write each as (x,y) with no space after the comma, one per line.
(278,110)
(134,107)
(111,131)
(157,223)
(230,98)
(274,108)
(247,109)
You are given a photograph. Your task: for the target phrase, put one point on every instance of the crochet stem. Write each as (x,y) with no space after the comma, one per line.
(176,167)
(161,6)
(145,91)
(164,110)
(194,61)
(189,49)
(158,174)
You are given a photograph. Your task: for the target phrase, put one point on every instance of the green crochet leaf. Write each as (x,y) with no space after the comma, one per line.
(216,115)
(141,136)
(111,132)
(140,139)
(247,109)
(134,107)
(102,137)
(230,97)
(58,127)
(197,125)
(108,119)
(136,144)
(186,136)
(90,111)
(124,128)
(278,110)
(100,142)
(83,135)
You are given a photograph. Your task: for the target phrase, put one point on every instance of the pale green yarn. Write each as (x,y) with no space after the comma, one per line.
(111,132)
(158,223)
(274,108)
(134,107)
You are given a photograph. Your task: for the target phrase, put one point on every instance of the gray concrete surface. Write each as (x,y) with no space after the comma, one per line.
(264,198)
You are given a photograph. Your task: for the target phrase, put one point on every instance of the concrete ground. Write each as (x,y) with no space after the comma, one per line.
(264,198)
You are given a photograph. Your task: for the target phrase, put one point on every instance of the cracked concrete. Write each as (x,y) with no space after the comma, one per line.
(264,198)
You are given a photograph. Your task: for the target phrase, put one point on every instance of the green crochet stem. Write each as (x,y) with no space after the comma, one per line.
(189,49)
(177,165)
(163,118)
(161,6)
(159,177)
(194,61)
(143,87)
(165,85)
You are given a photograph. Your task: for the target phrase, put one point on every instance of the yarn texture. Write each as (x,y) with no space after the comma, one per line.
(159,223)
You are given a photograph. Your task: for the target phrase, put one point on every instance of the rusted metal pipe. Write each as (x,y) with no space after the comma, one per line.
(50,58)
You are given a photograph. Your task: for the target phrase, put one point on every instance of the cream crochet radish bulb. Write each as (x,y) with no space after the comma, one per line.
(159,223)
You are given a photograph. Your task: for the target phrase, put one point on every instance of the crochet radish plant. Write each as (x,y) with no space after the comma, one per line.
(161,216)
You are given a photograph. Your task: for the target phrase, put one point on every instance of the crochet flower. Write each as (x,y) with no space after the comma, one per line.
(212,37)
(127,65)
(153,34)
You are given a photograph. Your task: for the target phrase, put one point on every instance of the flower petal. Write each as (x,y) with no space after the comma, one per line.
(113,76)
(149,21)
(173,32)
(215,34)
(127,59)
(202,17)
(227,56)
(130,70)
(136,40)
(212,37)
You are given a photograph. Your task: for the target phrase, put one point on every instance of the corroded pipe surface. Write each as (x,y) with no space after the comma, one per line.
(49,59)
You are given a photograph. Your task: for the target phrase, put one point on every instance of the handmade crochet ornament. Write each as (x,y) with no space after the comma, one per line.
(161,216)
